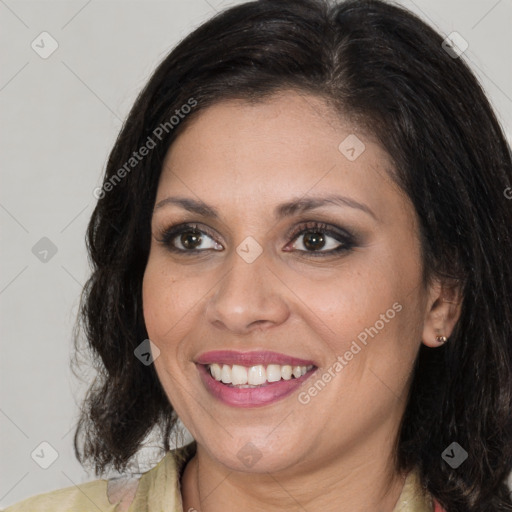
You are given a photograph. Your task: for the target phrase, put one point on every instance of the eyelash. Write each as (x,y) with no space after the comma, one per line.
(346,239)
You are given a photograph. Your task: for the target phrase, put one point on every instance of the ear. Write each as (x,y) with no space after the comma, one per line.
(442,312)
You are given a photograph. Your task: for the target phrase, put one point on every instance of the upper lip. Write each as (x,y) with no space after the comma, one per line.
(263,357)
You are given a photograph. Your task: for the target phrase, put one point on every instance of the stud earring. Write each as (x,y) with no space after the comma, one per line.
(441,339)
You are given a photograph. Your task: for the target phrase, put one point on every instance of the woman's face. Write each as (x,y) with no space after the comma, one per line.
(270,288)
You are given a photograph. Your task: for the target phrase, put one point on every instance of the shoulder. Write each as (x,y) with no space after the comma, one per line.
(153,490)
(90,496)
(113,495)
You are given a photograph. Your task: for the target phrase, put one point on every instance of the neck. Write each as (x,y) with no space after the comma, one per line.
(338,485)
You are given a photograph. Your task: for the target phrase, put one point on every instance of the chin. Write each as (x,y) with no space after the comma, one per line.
(258,453)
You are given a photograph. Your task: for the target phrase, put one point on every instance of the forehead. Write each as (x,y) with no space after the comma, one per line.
(285,123)
(285,146)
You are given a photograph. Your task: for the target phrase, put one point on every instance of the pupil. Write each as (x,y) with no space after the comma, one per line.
(190,235)
(313,238)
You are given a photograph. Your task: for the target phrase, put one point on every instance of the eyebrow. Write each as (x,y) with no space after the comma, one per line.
(287,209)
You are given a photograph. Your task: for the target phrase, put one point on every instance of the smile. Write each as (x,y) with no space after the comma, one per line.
(253,378)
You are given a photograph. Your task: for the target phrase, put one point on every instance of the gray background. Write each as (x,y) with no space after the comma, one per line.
(60,117)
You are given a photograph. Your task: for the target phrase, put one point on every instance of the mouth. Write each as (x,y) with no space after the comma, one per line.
(253,378)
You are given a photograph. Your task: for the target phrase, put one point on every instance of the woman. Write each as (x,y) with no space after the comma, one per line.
(305,214)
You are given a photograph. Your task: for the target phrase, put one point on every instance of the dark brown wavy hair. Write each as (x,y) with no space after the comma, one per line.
(380,65)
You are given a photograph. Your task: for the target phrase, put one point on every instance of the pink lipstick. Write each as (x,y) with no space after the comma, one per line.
(251,379)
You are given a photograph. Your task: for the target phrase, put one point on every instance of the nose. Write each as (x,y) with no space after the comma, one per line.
(249,297)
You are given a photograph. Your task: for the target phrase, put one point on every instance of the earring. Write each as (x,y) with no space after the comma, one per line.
(441,339)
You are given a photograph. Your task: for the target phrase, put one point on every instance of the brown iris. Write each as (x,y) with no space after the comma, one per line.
(190,239)
(312,239)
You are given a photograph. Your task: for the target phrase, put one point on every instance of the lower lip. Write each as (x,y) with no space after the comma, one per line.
(251,397)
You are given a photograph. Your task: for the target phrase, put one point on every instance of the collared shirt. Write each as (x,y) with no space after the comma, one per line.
(158,490)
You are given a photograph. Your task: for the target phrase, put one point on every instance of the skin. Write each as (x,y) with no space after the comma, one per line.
(335,452)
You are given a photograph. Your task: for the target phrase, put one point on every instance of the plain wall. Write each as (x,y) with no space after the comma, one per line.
(60,117)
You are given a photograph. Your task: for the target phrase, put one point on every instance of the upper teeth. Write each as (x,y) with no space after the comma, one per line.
(255,375)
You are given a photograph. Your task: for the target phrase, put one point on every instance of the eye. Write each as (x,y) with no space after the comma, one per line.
(188,238)
(319,239)
(313,238)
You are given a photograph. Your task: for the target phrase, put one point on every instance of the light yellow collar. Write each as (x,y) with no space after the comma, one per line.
(413,497)
(159,488)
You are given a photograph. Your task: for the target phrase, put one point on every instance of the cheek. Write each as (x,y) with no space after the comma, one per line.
(366,306)
(348,299)
(153,300)
(159,306)
(169,301)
